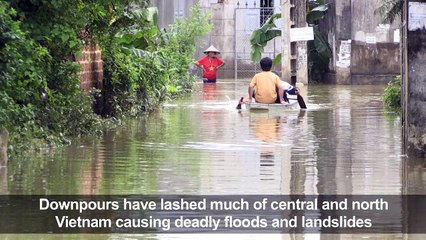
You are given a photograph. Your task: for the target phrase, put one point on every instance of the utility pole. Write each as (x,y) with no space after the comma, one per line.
(285,38)
(413,92)
(294,55)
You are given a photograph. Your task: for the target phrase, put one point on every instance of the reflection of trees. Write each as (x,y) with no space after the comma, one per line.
(126,160)
(127,164)
(49,172)
(3,181)
(179,166)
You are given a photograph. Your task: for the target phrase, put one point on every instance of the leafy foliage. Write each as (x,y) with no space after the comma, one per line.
(319,55)
(144,65)
(319,51)
(30,98)
(392,95)
(390,10)
(316,10)
(179,47)
(40,96)
(261,36)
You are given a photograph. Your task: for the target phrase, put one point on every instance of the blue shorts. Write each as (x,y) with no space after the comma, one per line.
(292,91)
(205,80)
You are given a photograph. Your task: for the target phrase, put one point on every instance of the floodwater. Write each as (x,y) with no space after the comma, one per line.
(346,142)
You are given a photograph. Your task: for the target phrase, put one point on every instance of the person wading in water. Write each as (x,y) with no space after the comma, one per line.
(210,64)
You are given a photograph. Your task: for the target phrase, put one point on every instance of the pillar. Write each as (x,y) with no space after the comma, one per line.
(414,81)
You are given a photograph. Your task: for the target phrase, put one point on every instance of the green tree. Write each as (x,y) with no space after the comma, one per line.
(40,96)
(145,65)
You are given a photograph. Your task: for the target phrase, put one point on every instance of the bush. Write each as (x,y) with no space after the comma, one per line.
(143,65)
(40,97)
(132,84)
(23,78)
(179,50)
(392,95)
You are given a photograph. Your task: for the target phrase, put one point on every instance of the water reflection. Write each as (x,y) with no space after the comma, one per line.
(416,176)
(209,91)
(3,181)
(267,129)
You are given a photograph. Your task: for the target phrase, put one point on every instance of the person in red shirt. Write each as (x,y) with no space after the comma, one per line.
(210,64)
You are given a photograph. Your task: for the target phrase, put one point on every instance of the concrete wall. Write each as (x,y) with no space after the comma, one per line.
(230,19)
(336,26)
(166,13)
(364,51)
(222,35)
(374,63)
(170,9)
(302,49)
(414,82)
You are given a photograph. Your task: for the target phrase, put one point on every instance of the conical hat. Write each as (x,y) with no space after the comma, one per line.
(211,49)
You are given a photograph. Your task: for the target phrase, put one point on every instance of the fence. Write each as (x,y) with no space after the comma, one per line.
(247,19)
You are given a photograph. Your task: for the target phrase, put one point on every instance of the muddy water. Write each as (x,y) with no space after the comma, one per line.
(345,143)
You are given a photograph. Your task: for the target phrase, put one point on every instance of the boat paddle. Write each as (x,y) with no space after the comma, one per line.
(239,104)
(301,101)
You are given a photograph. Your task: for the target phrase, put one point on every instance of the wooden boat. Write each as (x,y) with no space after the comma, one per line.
(293,105)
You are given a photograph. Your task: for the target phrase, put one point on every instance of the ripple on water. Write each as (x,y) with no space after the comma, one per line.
(343,143)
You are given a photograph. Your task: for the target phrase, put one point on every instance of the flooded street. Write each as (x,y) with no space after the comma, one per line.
(345,143)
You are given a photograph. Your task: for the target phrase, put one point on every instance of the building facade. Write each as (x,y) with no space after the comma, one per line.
(364,50)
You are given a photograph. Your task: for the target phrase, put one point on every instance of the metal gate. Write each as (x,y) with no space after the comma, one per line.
(247,19)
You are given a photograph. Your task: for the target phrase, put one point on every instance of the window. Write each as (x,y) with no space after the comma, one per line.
(179,7)
(266,10)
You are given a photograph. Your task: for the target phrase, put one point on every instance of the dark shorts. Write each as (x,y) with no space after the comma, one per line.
(293,91)
(205,80)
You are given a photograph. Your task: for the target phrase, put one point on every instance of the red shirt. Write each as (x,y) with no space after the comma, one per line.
(210,66)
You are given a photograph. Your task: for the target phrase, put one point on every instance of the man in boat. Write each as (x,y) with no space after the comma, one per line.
(210,64)
(288,88)
(268,85)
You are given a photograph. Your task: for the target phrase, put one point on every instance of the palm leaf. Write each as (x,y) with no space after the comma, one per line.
(256,52)
(321,45)
(316,14)
(277,59)
(261,36)
(390,10)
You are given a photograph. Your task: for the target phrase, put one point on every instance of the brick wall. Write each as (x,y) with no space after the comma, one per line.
(91,73)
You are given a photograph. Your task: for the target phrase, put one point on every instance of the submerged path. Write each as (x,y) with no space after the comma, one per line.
(345,143)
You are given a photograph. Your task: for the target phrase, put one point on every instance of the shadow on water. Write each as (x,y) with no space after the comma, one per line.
(345,143)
